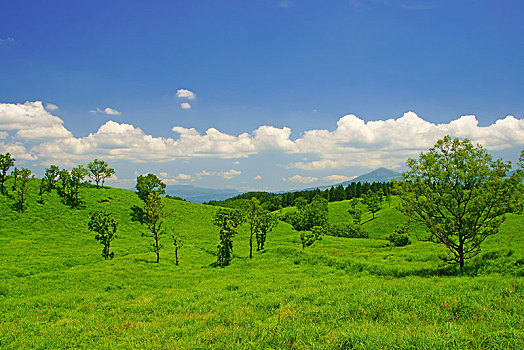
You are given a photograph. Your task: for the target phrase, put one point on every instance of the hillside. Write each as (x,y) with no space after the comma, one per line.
(56,291)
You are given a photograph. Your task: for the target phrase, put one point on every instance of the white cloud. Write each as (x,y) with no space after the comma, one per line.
(3,134)
(51,107)
(185,105)
(17,150)
(302,179)
(337,178)
(228,175)
(168,179)
(183,93)
(31,121)
(184,176)
(258,177)
(108,111)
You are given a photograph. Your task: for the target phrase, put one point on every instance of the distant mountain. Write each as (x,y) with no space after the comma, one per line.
(200,194)
(377,175)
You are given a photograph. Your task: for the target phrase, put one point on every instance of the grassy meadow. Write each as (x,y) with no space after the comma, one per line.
(56,291)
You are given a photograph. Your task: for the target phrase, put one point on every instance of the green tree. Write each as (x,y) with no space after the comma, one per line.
(6,161)
(307,238)
(105,227)
(22,188)
(267,223)
(355,212)
(254,217)
(228,220)
(372,201)
(51,176)
(77,176)
(460,194)
(99,171)
(147,184)
(154,213)
(178,243)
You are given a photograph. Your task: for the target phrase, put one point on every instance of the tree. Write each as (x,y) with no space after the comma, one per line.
(77,176)
(15,174)
(354,211)
(372,201)
(267,223)
(460,194)
(6,161)
(309,237)
(147,184)
(254,217)
(22,189)
(105,227)
(51,175)
(228,220)
(99,171)
(154,213)
(178,243)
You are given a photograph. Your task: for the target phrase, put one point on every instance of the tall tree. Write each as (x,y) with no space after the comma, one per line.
(267,223)
(460,194)
(22,188)
(228,220)
(77,176)
(254,217)
(51,176)
(105,227)
(6,161)
(99,170)
(177,243)
(372,201)
(154,214)
(147,184)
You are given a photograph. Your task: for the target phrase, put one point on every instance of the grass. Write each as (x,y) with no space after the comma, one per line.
(56,291)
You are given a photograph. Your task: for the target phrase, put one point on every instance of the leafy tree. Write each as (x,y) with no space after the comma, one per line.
(254,217)
(6,161)
(309,237)
(77,176)
(147,184)
(460,194)
(267,223)
(228,220)
(178,243)
(22,189)
(355,212)
(372,201)
(51,176)
(154,213)
(400,237)
(105,227)
(99,171)
(309,215)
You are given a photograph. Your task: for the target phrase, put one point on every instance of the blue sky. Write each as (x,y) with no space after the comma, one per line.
(297,67)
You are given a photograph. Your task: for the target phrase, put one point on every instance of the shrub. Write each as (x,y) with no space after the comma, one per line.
(347,230)
(399,239)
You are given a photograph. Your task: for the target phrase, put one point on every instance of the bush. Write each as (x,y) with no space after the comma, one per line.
(347,230)
(399,239)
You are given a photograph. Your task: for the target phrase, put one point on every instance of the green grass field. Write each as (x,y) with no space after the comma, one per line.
(56,291)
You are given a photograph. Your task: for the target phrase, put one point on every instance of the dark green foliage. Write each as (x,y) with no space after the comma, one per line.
(147,184)
(22,189)
(460,194)
(347,230)
(6,161)
(105,227)
(354,211)
(307,238)
(51,176)
(400,237)
(268,222)
(228,220)
(372,201)
(154,213)
(71,182)
(254,212)
(309,215)
(99,171)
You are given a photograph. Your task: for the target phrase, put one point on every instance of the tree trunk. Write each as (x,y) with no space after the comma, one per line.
(251,246)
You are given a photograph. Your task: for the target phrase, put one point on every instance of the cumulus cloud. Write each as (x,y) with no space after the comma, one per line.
(302,179)
(258,177)
(17,150)
(184,93)
(51,107)
(337,178)
(353,142)
(169,179)
(228,175)
(31,121)
(185,105)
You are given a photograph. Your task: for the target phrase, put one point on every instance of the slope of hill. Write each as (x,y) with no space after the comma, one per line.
(377,175)
(56,291)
